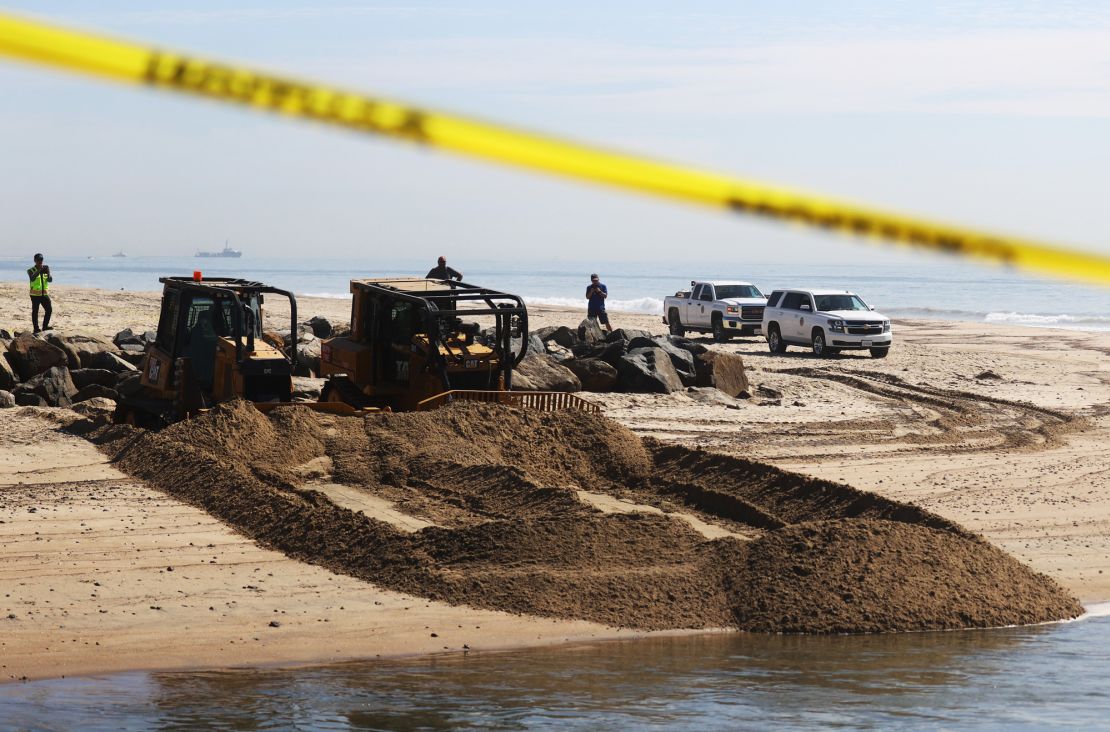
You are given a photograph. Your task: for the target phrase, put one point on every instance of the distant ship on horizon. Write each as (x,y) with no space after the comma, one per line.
(226,252)
(119,254)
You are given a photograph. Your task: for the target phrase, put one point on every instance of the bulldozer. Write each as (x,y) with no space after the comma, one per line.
(416,344)
(209,349)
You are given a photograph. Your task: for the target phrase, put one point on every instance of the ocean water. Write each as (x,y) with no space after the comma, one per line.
(935,289)
(1033,678)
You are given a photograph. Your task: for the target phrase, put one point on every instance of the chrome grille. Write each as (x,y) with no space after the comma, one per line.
(856,327)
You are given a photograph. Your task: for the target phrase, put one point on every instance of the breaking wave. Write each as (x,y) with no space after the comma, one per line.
(1071,322)
(649,305)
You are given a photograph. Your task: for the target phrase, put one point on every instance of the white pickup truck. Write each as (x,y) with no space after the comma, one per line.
(721,308)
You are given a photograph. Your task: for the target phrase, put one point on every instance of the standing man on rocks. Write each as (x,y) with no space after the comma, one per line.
(40,293)
(596,293)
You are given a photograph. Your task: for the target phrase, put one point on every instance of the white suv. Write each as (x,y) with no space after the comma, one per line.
(827,321)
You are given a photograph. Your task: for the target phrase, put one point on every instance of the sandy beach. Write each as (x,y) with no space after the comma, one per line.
(1000,429)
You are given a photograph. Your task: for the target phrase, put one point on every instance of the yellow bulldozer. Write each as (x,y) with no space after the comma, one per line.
(209,349)
(418,343)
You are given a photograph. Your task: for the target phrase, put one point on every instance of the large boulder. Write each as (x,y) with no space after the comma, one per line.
(28,399)
(84,377)
(54,386)
(626,334)
(544,333)
(589,331)
(648,370)
(308,358)
(540,372)
(610,353)
(712,396)
(135,358)
(681,359)
(563,336)
(95,391)
(728,372)
(32,356)
(320,326)
(8,376)
(7,399)
(595,374)
(128,337)
(97,408)
(87,344)
(307,389)
(107,361)
(686,344)
(559,353)
(73,358)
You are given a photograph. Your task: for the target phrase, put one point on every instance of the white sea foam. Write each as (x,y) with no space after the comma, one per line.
(1095,610)
(328,295)
(1072,322)
(649,305)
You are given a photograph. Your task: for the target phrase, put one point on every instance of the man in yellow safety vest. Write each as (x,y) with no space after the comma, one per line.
(40,292)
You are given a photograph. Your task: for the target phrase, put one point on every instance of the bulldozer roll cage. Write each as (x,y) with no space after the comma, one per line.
(441,299)
(230,287)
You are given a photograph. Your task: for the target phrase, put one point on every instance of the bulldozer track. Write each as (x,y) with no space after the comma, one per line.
(960,421)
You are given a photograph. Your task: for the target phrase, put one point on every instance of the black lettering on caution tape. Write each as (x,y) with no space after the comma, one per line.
(282,95)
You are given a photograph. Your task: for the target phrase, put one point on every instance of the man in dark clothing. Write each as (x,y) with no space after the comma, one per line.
(442,272)
(596,294)
(40,293)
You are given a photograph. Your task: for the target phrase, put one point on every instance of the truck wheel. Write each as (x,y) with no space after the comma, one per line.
(719,333)
(675,324)
(819,349)
(879,352)
(774,339)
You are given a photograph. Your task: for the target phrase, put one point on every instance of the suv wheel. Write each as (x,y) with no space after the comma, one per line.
(719,333)
(675,324)
(774,339)
(879,352)
(819,348)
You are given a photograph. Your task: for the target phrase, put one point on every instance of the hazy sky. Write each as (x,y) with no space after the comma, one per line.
(990,114)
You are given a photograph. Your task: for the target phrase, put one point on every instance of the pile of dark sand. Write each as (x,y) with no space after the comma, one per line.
(501,485)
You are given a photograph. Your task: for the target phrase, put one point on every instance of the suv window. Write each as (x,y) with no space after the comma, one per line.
(794,300)
(773,301)
(828,303)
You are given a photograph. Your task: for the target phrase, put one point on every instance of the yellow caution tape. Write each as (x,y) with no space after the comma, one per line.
(75,51)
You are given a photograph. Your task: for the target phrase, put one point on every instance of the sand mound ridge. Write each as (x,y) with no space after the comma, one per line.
(510,533)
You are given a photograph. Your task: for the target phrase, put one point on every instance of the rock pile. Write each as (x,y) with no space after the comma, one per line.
(54,369)
(626,360)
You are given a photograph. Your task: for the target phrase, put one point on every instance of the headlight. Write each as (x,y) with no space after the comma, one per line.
(886,326)
(732,309)
(836,326)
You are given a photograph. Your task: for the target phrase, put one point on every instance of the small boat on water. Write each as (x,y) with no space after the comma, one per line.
(226,252)
(119,254)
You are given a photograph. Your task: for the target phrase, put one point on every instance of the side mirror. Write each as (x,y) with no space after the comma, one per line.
(805,307)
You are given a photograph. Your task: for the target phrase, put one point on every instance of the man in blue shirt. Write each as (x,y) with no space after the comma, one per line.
(596,294)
